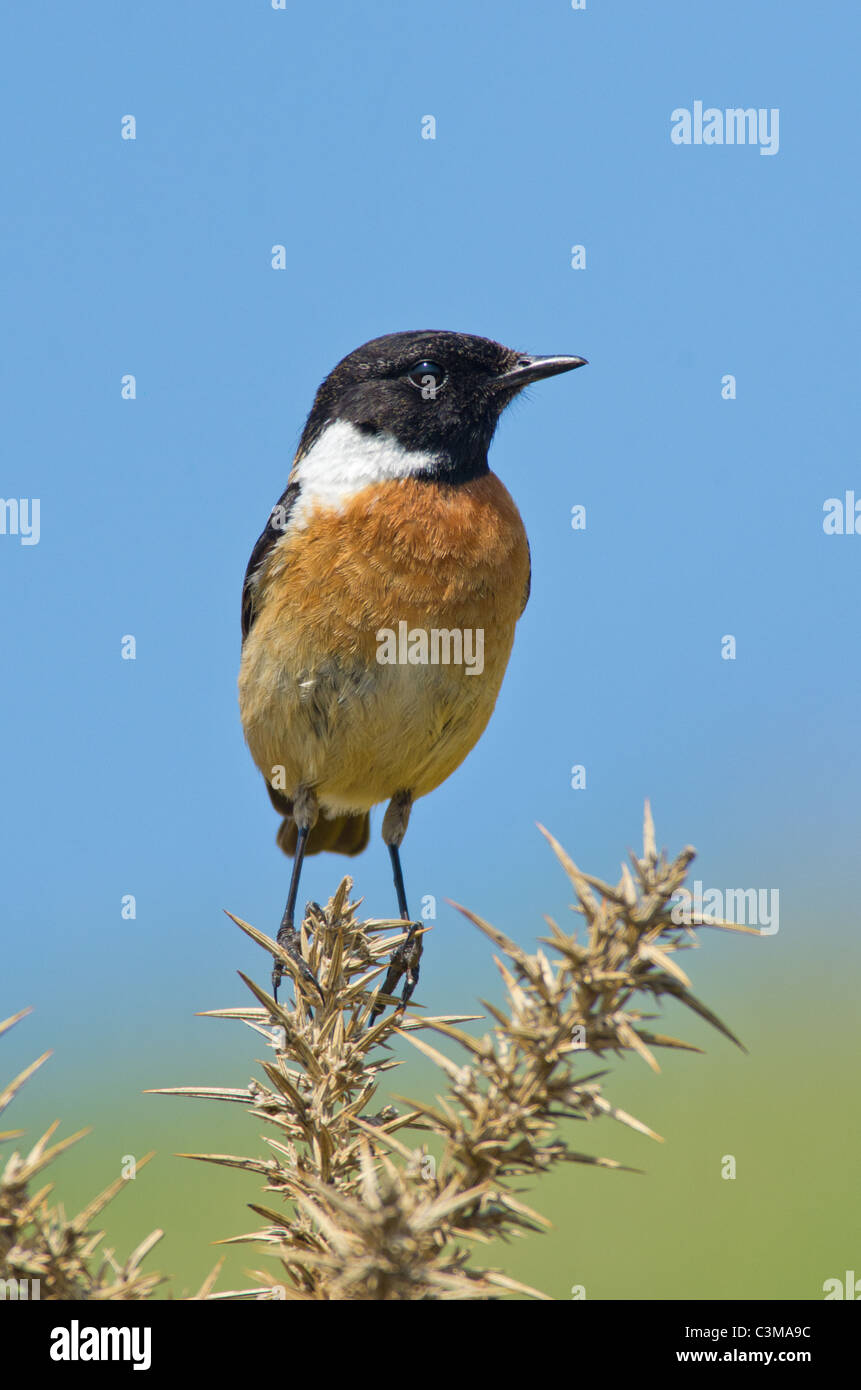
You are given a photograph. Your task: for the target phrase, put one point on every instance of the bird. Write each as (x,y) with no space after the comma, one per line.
(380,601)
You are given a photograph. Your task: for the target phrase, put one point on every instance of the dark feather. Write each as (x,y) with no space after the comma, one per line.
(528,577)
(270,536)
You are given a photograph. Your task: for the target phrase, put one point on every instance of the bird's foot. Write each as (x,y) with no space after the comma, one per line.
(290,941)
(405,961)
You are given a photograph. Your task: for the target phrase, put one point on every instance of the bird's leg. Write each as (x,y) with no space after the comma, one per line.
(304,813)
(398,875)
(405,960)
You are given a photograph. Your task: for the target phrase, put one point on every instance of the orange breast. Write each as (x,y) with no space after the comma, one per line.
(314,698)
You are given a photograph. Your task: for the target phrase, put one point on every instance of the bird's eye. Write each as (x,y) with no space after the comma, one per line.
(427,377)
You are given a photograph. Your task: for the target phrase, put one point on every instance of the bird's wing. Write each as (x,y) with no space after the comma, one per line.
(269,537)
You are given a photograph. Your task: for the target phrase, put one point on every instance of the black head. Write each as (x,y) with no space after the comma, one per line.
(435,392)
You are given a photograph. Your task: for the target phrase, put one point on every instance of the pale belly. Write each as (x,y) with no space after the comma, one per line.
(360,733)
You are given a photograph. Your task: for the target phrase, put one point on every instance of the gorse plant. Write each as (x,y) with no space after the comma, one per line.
(354,1210)
(358,1206)
(43,1253)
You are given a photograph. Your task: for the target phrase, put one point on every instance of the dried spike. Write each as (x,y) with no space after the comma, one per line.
(624,1118)
(504,942)
(246,1014)
(698,1007)
(141,1251)
(206,1288)
(628,887)
(237,1094)
(662,1040)
(451,1068)
(283,1083)
(378,1132)
(340,896)
(578,882)
(649,951)
(276,1218)
(8,1023)
(650,851)
(439,1211)
(524,1210)
(251,1165)
(23,1077)
(630,1037)
(41,1154)
(85,1216)
(717,923)
(571,1156)
(277,952)
(501,1018)
(479,1048)
(502,1281)
(429,1022)
(235,1293)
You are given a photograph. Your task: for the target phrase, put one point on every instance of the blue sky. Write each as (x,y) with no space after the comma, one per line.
(302,127)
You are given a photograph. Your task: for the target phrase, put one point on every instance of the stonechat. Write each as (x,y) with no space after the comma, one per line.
(393,558)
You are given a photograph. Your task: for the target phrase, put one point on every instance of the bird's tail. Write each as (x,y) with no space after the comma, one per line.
(340,835)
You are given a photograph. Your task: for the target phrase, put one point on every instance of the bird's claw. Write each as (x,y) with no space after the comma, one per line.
(405,961)
(290,941)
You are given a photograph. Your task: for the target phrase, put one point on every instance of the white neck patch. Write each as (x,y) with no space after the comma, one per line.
(343,461)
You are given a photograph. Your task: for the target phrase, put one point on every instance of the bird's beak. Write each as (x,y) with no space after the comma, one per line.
(536,368)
